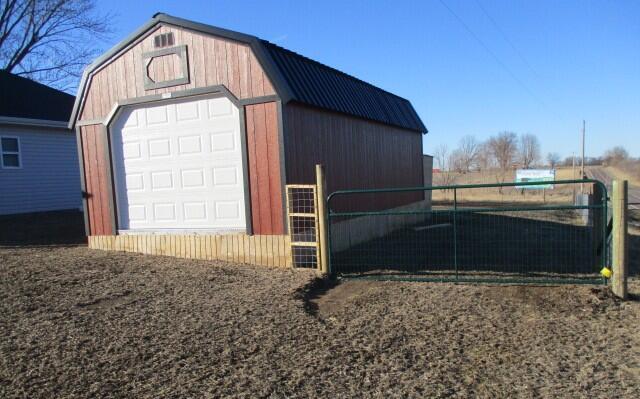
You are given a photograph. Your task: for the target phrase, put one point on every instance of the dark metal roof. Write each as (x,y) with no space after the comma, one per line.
(294,77)
(319,85)
(23,98)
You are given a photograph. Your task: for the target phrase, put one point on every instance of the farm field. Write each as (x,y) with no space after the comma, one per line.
(560,194)
(81,323)
(629,170)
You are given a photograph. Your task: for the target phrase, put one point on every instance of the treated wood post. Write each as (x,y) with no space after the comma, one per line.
(322,219)
(619,236)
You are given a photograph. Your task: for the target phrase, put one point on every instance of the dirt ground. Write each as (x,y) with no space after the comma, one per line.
(82,323)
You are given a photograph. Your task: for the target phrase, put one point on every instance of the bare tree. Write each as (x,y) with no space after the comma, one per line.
(467,153)
(503,148)
(50,41)
(615,155)
(553,158)
(446,176)
(441,154)
(568,161)
(485,158)
(529,150)
(457,162)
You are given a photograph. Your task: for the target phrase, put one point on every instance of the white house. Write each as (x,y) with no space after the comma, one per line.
(38,154)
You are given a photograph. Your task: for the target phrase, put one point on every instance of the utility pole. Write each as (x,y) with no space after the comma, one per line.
(582,165)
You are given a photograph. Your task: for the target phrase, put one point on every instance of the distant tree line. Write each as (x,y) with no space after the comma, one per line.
(505,152)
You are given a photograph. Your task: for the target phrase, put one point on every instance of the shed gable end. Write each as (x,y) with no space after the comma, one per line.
(207,61)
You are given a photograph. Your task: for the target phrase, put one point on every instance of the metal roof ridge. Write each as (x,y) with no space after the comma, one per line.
(334,69)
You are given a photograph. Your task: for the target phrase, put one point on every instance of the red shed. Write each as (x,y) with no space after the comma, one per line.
(185,127)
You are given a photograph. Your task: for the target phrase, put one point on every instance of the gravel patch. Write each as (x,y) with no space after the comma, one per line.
(81,323)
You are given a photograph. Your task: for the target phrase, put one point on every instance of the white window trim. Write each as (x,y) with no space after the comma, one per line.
(2,152)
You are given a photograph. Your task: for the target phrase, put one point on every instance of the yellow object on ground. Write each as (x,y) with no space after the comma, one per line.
(606,272)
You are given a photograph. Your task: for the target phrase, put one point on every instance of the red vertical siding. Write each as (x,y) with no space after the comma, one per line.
(356,153)
(212,61)
(96,180)
(264,169)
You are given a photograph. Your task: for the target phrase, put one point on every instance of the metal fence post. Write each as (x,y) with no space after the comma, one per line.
(455,230)
(605,222)
(619,236)
(322,219)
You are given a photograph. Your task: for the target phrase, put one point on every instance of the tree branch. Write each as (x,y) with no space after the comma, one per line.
(50,40)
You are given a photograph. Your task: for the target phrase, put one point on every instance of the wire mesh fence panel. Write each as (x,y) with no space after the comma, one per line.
(301,199)
(415,247)
(303,225)
(516,244)
(471,240)
(304,257)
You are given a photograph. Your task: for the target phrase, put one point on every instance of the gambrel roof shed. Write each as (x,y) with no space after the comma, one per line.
(184,84)
(298,78)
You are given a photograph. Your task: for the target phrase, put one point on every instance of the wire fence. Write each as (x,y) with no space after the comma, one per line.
(303,225)
(473,240)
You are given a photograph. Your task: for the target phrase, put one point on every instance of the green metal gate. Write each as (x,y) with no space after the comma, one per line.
(544,240)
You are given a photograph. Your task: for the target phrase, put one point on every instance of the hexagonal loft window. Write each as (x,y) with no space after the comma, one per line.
(164,68)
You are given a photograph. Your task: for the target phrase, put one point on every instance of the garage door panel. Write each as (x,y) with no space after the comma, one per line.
(180,166)
(226,176)
(195,211)
(131,118)
(188,111)
(191,179)
(132,150)
(135,182)
(158,147)
(161,180)
(199,214)
(227,210)
(189,145)
(138,212)
(219,108)
(164,212)
(158,115)
(223,141)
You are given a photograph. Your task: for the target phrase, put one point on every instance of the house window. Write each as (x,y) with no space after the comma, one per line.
(10,147)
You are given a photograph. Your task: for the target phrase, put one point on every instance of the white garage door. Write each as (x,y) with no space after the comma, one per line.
(178,166)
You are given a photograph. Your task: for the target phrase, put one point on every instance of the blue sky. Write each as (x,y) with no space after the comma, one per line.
(477,67)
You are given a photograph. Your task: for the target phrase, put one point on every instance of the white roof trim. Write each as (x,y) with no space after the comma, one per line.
(8,120)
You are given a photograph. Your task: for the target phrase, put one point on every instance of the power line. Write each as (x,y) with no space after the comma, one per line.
(506,38)
(495,57)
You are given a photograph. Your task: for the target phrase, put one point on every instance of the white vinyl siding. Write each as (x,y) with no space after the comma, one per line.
(48,177)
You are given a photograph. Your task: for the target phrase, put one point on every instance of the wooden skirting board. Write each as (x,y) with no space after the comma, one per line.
(266,250)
